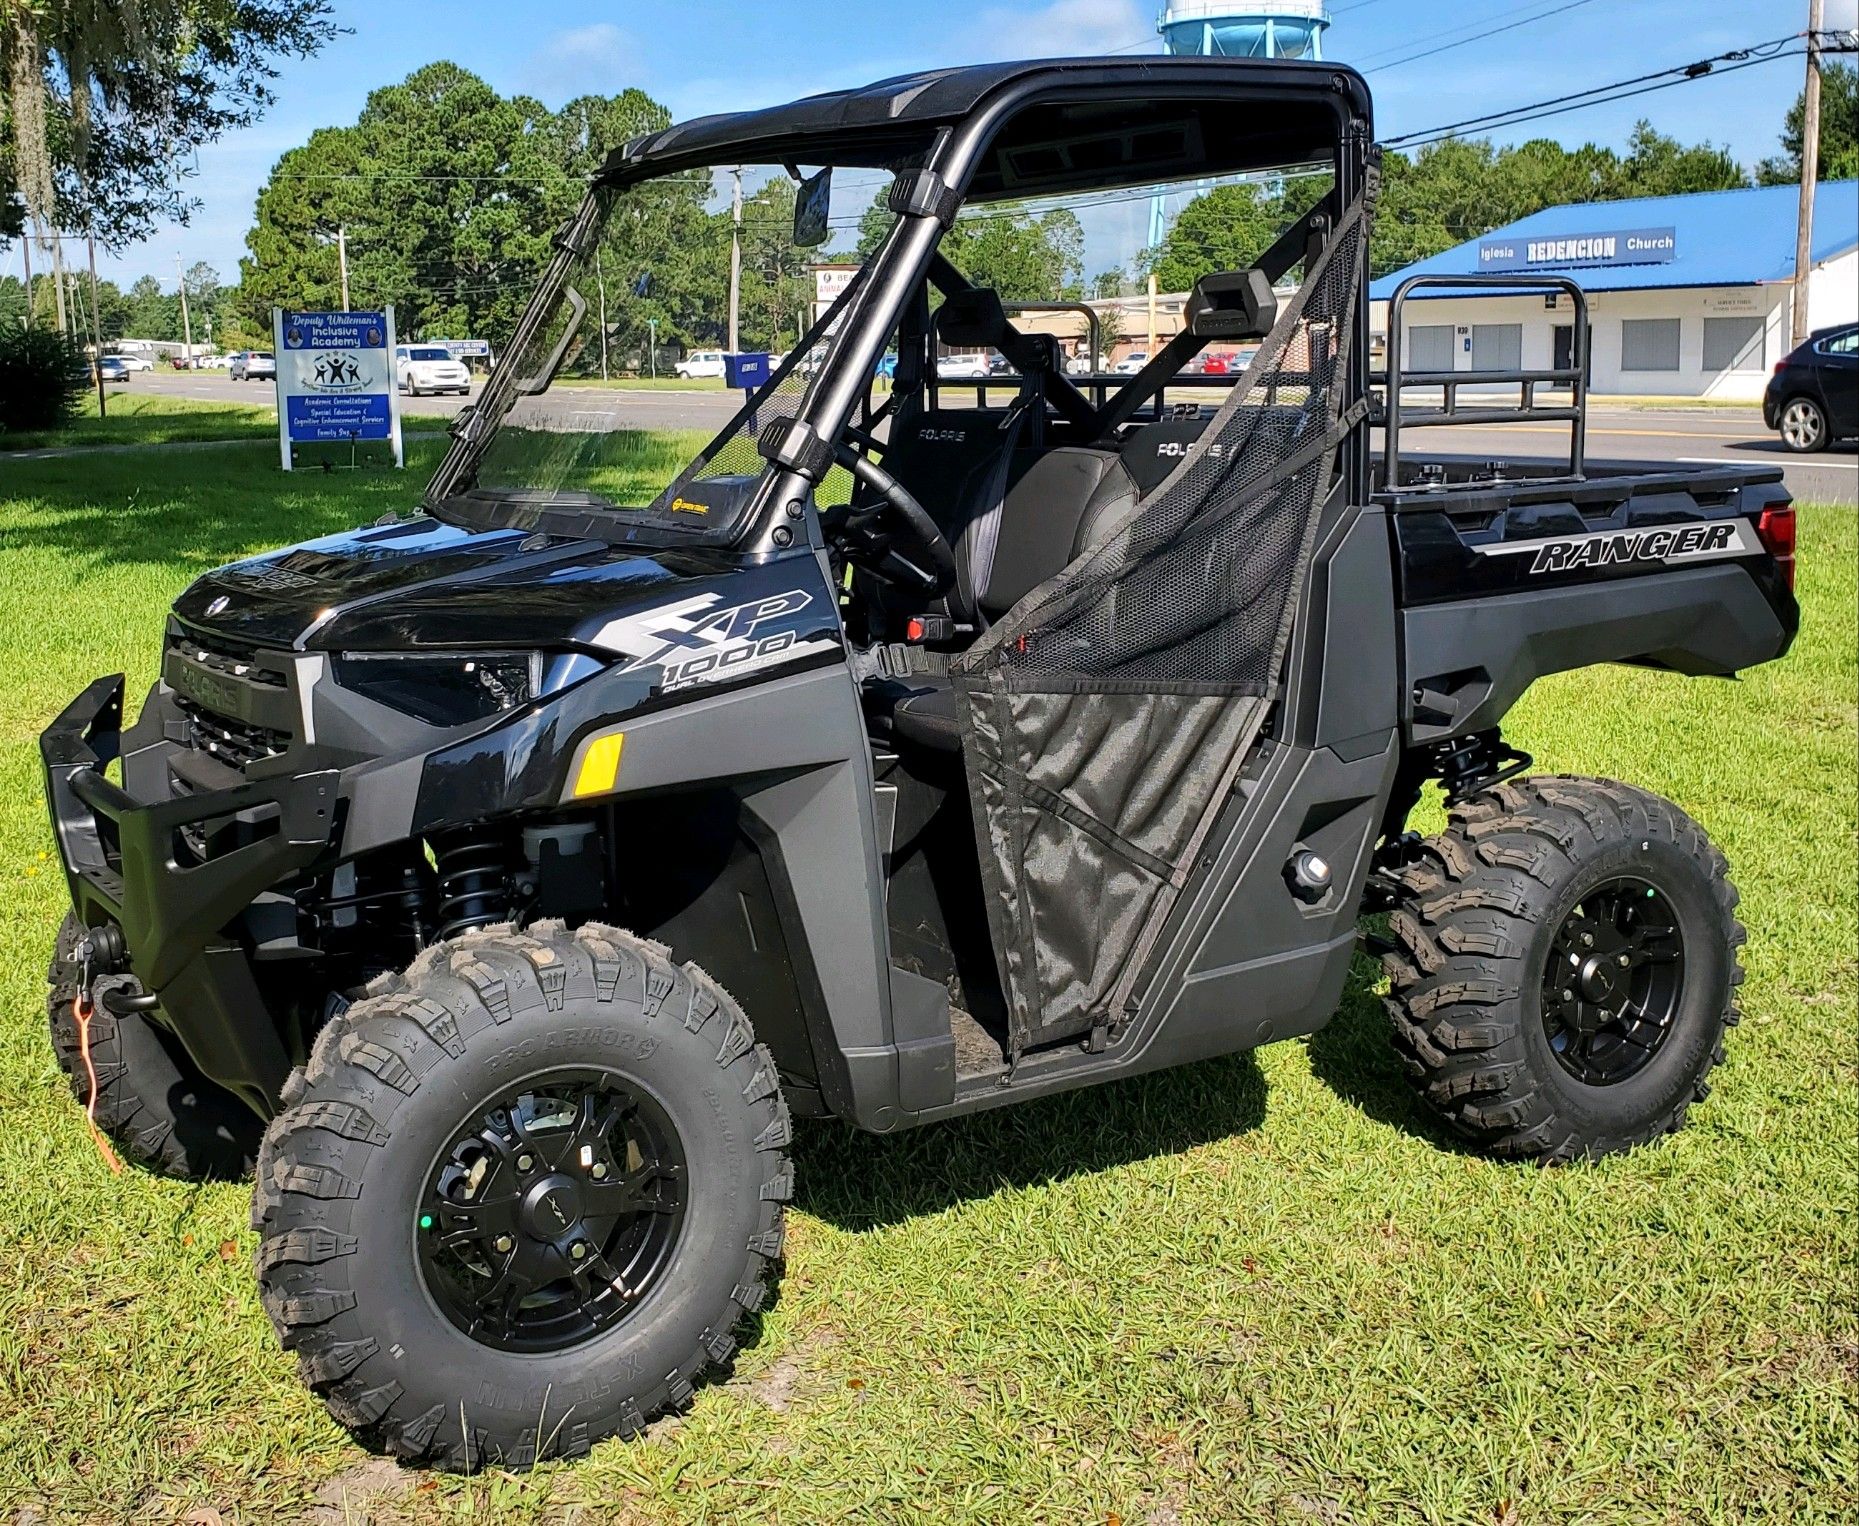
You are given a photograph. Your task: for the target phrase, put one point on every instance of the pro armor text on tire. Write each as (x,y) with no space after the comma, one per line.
(1565,967)
(151,1099)
(522,1197)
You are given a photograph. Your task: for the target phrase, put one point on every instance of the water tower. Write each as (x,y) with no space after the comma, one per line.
(1236,29)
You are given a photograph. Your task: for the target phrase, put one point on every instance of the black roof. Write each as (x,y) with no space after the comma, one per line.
(892,122)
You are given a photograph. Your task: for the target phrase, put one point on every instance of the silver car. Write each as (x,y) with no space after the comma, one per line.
(253,365)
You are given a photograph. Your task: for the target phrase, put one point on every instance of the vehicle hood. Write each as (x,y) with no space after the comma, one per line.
(425,585)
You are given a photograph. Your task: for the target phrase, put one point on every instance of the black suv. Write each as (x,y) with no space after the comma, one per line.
(1813,397)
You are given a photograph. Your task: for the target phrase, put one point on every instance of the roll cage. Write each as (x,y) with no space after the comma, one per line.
(988,133)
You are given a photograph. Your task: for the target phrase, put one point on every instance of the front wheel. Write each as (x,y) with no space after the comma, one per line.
(1803,426)
(1565,967)
(523,1197)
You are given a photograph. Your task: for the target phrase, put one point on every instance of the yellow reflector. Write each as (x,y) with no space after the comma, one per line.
(600,765)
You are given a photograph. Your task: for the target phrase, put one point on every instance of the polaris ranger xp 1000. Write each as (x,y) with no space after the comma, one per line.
(498,881)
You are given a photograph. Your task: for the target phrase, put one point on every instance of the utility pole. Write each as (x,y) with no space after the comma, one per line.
(58,284)
(1152,296)
(342,263)
(187,327)
(25,245)
(735,256)
(96,326)
(600,278)
(1810,167)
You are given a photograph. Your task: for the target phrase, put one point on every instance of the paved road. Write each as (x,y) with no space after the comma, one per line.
(1617,435)
(636,408)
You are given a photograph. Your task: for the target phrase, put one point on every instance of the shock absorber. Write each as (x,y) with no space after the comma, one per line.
(474,882)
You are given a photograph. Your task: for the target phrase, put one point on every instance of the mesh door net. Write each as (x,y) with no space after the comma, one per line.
(1106,717)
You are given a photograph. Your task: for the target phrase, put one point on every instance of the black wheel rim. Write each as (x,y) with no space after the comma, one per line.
(553,1212)
(1615,978)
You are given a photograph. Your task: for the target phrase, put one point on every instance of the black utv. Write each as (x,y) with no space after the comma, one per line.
(498,881)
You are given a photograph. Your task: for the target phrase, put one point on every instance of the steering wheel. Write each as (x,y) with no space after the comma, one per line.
(895,539)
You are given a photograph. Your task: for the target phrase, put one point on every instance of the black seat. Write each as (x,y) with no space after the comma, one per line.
(1063,503)
(922,711)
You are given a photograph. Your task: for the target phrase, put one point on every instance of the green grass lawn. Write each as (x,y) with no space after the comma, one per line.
(1258,1289)
(154,418)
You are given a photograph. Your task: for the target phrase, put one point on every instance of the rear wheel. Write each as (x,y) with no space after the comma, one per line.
(1565,967)
(523,1197)
(1803,425)
(152,1101)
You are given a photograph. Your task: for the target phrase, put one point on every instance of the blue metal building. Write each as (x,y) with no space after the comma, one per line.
(1689,295)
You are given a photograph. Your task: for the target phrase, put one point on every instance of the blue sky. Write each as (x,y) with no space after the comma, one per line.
(700,56)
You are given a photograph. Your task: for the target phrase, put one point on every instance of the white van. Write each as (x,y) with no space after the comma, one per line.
(701,363)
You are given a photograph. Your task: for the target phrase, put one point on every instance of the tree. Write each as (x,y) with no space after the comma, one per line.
(450,194)
(1023,256)
(1839,131)
(1228,228)
(103,101)
(777,289)
(1656,165)
(1461,188)
(152,313)
(1108,283)
(447,193)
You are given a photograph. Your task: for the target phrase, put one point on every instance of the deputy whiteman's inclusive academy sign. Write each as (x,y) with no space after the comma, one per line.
(335,380)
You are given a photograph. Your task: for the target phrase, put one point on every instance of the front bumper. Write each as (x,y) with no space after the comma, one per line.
(124,864)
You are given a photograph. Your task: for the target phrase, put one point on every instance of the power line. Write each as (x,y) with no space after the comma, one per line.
(1447,47)
(1602,95)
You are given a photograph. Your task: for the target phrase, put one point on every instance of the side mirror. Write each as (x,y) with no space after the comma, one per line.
(813,203)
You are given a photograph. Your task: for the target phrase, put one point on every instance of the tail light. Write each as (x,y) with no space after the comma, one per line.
(1780,366)
(1775,529)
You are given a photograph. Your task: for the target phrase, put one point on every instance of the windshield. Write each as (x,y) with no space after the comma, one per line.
(429,355)
(610,402)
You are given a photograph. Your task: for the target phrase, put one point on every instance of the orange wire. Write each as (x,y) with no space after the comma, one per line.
(81,1009)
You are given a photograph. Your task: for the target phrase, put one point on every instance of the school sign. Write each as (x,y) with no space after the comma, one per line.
(335,380)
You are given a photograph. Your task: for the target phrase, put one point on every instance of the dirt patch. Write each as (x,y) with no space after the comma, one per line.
(352,1497)
(779,1386)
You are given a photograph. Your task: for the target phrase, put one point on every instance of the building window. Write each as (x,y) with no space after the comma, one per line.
(1429,348)
(1733,344)
(1497,346)
(1649,344)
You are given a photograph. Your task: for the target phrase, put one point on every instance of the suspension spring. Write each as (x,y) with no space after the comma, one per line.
(474,883)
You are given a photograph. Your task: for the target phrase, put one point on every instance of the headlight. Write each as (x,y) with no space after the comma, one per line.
(443,688)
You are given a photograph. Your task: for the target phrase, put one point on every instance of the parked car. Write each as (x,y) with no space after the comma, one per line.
(972,366)
(112,369)
(1130,364)
(701,365)
(253,365)
(429,368)
(135,361)
(1813,397)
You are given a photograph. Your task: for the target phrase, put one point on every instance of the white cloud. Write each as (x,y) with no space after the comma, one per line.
(590,60)
(1063,28)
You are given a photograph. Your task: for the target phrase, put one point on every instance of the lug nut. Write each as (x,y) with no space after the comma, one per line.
(1587,940)
(504,1245)
(1624,961)
(578,1250)
(1567,995)
(598,1171)
(525,1162)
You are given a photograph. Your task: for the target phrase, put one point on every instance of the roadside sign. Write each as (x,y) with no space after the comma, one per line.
(335,379)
